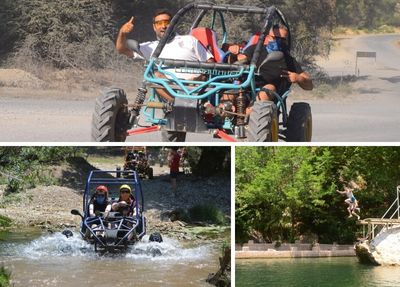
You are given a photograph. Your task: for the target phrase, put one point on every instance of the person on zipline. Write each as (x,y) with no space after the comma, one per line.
(351,199)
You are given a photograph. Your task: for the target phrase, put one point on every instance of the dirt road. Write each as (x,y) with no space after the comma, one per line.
(370,114)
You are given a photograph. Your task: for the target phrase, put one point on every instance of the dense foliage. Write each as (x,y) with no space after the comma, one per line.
(288,193)
(22,167)
(81,33)
(210,161)
(5,277)
(368,13)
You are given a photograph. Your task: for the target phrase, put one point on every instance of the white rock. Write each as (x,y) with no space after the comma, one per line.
(386,246)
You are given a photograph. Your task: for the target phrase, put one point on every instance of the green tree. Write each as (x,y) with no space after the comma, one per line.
(22,167)
(368,13)
(209,161)
(285,192)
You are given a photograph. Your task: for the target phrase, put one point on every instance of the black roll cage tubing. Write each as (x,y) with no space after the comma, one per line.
(270,13)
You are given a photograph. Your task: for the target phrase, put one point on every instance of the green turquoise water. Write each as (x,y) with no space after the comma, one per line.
(319,272)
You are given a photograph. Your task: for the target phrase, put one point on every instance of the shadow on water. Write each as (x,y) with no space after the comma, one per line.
(393,80)
(22,236)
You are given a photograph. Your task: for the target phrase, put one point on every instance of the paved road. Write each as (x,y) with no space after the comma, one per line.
(372,115)
(27,119)
(44,119)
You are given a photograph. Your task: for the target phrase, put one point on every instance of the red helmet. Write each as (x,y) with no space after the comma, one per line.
(102,188)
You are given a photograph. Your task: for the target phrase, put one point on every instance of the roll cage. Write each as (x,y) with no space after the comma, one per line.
(220,77)
(114,231)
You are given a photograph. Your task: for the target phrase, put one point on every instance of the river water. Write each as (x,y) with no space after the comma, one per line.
(318,272)
(54,260)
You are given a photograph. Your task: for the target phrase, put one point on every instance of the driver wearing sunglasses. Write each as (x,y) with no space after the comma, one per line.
(180,47)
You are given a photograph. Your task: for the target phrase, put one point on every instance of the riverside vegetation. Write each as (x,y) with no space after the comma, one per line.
(38,175)
(285,194)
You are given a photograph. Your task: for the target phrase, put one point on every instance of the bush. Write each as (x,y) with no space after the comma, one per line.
(76,34)
(25,167)
(206,213)
(13,185)
(5,221)
(5,277)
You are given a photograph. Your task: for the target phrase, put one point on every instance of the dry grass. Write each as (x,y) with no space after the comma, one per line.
(23,70)
(41,78)
(348,31)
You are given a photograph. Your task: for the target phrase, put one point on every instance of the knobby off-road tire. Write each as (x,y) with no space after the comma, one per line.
(111,116)
(156,237)
(299,126)
(263,123)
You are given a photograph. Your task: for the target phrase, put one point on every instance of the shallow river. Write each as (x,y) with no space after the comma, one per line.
(319,272)
(54,260)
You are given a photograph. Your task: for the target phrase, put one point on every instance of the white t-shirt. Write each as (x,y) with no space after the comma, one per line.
(182,47)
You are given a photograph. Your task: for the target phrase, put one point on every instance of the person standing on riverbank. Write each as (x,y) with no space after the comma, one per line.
(174,159)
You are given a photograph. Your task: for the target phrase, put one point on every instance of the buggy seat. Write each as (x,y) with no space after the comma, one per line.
(208,38)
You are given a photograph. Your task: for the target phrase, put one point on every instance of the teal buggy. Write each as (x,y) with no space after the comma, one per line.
(197,106)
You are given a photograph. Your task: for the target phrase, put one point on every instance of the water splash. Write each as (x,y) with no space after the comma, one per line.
(168,250)
(54,245)
(58,245)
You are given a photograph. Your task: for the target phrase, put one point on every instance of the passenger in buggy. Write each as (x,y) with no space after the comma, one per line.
(272,76)
(99,202)
(99,205)
(126,202)
(125,206)
(278,75)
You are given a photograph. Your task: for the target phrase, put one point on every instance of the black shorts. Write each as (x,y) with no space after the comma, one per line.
(173,174)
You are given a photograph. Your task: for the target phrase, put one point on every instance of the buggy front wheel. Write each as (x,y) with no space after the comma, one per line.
(156,237)
(111,116)
(299,126)
(263,123)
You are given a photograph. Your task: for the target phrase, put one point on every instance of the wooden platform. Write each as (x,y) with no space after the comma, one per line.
(377,221)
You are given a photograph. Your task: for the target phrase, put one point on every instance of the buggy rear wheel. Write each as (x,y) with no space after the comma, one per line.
(111,116)
(263,123)
(299,126)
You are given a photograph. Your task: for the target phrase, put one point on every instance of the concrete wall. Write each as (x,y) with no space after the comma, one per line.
(264,250)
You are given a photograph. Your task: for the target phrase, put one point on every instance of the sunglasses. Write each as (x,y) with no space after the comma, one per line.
(161,23)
